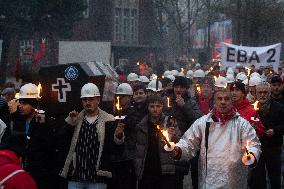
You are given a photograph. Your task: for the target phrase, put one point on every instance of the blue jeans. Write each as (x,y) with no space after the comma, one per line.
(86,185)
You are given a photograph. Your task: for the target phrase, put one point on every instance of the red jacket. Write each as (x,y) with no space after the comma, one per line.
(9,162)
(246,111)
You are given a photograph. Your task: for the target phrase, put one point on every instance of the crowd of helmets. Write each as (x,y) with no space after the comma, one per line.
(249,76)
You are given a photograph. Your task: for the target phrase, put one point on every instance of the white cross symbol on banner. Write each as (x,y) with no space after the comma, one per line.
(61,88)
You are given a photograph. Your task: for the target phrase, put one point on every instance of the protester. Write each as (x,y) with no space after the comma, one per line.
(244,107)
(277,89)
(38,128)
(154,167)
(221,136)
(271,115)
(88,161)
(12,153)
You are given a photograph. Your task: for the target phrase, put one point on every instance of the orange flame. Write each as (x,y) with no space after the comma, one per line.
(256,105)
(117,104)
(168,102)
(166,134)
(182,70)
(39,88)
(198,88)
(248,71)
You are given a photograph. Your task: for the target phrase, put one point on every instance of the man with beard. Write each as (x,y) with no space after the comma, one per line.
(88,162)
(271,115)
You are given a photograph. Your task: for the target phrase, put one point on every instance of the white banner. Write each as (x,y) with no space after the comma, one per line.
(247,56)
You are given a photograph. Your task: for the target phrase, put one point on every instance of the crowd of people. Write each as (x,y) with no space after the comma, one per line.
(224,127)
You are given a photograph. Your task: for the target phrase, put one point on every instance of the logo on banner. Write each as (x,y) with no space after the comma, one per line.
(71,73)
(61,87)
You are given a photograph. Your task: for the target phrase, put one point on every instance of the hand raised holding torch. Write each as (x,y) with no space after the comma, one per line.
(248,158)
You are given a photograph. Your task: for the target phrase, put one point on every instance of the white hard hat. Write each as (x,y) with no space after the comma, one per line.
(181,74)
(221,82)
(90,90)
(171,77)
(199,73)
(241,76)
(239,65)
(230,71)
(152,86)
(28,91)
(124,89)
(166,73)
(206,72)
(153,77)
(255,74)
(144,79)
(230,78)
(254,81)
(189,74)
(132,77)
(197,65)
(174,72)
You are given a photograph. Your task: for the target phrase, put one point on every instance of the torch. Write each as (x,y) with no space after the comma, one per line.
(39,88)
(198,88)
(165,136)
(119,109)
(248,158)
(256,108)
(248,73)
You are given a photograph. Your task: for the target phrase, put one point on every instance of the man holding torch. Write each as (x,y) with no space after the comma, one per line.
(224,138)
(153,165)
(271,114)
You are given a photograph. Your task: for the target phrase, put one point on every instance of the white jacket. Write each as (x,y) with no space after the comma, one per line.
(225,150)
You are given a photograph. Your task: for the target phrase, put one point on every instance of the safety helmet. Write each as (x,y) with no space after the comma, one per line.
(124,89)
(254,81)
(230,71)
(241,76)
(153,77)
(245,81)
(199,73)
(90,90)
(221,82)
(144,79)
(28,91)
(171,77)
(132,77)
(255,74)
(197,65)
(230,78)
(166,73)
(239,65)
(152,86)
(189,74)
(175,72)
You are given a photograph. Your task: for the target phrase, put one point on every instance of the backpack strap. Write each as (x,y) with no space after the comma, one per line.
(10,175)
(206,142)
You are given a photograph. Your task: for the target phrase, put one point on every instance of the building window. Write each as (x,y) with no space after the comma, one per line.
(86,12)
(126,25)
(26,45)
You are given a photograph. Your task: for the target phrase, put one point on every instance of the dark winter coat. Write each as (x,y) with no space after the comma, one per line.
(168,165)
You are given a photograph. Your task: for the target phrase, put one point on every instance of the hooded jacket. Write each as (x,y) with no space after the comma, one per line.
(9,162)
(221,164)
(246,111)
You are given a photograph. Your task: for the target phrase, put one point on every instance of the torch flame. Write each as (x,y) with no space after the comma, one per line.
(166,134)
(17,95)
(39,90)
(182,70)
(117,105)
(168,102)
(247,144)
(138,63)
(256,105)
(219,63)
(210,69)
(248,70)
(198,88)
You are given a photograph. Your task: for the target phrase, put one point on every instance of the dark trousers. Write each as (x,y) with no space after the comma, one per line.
(162,182)
(194,171)
(123,175)
(270,159)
